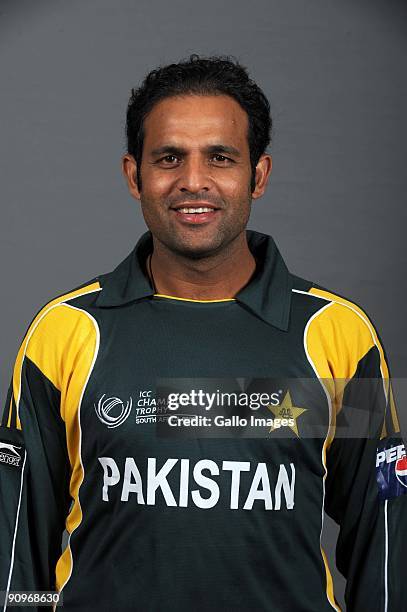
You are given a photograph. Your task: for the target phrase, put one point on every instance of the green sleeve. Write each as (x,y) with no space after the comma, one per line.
(34,483)
(371,513)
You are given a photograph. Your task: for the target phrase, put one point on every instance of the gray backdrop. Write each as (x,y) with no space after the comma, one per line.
(335,76)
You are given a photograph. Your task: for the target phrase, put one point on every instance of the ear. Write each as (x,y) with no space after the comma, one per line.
(129,169)
(263,171)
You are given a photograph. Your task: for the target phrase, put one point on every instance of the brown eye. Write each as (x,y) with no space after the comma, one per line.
(221,158)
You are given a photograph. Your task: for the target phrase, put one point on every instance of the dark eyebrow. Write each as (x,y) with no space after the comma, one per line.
(219,148)
(215,148)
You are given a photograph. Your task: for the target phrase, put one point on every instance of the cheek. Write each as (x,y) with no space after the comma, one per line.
(235,190)
(234,182)
(162,183)
(156,183)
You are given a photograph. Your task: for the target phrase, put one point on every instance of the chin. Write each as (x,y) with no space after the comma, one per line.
(196,250)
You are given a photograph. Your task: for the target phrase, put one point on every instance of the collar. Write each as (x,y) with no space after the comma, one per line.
(267,295)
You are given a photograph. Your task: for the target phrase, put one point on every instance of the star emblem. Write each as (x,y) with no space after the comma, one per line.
(286,410)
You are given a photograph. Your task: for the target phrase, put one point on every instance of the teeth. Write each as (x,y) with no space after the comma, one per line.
(195,210)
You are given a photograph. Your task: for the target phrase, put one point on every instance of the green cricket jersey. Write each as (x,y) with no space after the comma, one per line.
(173,500)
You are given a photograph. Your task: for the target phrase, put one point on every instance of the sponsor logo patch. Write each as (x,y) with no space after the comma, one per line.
(401,471)
(391,468)
(11,454)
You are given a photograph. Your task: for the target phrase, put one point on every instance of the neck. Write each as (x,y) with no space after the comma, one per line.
(217,277)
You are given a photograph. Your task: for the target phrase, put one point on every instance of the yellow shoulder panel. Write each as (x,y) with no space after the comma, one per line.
(362,316)
(336,341)
(57,340)
(338,337)
(38,349)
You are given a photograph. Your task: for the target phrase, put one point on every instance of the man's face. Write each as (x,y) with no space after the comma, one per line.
(195,154)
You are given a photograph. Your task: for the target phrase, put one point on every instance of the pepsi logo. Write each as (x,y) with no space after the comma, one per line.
(401,471)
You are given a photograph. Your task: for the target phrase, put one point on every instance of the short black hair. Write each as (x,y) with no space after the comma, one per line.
(214,75)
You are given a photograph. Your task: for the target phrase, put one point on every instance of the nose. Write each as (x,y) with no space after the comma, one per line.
(194,175)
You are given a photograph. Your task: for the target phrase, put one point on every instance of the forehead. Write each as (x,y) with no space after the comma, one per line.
(193,118)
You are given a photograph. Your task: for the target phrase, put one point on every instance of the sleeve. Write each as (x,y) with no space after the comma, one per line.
(366,489)
(34,479)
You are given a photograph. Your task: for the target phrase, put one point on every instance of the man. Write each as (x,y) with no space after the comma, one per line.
(168,510)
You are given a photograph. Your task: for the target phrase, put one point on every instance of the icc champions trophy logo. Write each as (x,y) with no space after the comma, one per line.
(112,411)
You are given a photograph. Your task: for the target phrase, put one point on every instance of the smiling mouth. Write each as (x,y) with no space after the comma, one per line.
(199,206)
(196,214)
(195,210)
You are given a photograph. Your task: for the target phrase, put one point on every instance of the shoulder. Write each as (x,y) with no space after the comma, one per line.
(336,327)
(54,310)
(330,306)
(61,328)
